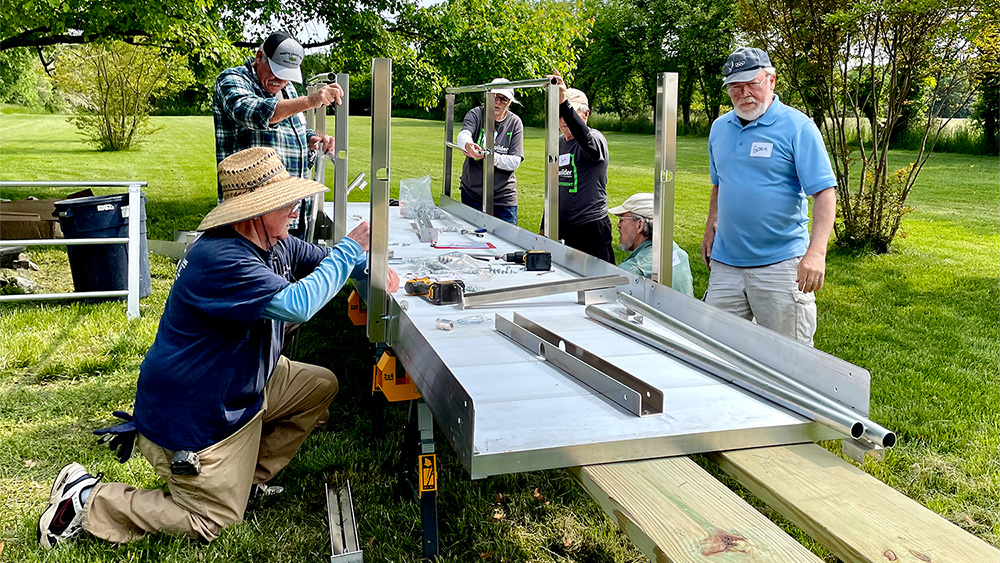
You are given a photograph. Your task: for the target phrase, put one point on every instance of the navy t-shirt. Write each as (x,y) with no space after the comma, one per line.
(204,376)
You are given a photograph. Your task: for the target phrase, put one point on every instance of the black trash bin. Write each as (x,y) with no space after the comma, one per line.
(103,267)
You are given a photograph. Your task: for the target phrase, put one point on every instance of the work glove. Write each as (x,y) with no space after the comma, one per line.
(120,437)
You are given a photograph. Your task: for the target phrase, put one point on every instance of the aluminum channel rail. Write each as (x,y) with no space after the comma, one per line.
(664,166)
(502,295)
(621,387)
(506,410)
(378,211)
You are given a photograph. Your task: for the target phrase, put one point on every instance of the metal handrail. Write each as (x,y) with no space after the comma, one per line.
(529,83)
(132,293)
(551,197)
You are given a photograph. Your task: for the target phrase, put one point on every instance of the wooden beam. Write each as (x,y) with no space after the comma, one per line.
(674,511)
(853,514)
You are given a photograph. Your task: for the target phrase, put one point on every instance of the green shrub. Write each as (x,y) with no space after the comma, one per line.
(110,86)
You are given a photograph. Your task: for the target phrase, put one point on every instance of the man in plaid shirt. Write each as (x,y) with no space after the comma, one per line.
(255,105)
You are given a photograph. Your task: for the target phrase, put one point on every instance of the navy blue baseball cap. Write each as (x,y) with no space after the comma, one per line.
(744,64)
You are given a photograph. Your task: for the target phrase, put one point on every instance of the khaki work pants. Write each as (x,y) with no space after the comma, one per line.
(199,506)
(768,294)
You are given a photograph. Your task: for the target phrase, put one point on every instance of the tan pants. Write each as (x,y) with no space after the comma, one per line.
(199,506)
(768,294)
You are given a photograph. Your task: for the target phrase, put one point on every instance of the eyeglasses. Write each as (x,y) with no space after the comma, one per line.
(737,86)
(502,99)
(624,217)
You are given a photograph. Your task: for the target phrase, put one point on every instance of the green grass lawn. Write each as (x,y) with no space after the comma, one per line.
(923,319)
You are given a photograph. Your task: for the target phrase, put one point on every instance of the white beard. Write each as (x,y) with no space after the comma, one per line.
(756,112)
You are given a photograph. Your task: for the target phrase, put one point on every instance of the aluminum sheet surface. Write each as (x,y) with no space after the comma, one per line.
(505,409)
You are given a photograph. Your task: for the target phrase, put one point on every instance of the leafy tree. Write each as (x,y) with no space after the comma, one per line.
(986,112)
(475,41)
(882,60)
(611,64)
(641,38)
(111,86)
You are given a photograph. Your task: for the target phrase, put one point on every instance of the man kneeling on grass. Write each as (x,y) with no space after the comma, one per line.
(218,409)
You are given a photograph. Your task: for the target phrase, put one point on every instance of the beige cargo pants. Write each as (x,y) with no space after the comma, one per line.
(768,294)
(199,506)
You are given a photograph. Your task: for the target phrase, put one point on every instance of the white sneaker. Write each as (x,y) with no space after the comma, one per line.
(63,517)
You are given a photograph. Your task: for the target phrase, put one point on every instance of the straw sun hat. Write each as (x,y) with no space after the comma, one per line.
(254,182)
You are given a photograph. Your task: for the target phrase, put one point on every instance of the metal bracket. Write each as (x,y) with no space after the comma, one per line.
(858,450)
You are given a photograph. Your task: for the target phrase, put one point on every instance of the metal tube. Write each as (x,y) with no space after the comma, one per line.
(529,83)
(488,169)
(449,129)
(340,186)
(66,241)
(551,211)
(72,295)
(9,184)
(134,231)
(665,162)
(310,114)
(378,250)
(319,175)
(873,431)
(458,147)
(851,426)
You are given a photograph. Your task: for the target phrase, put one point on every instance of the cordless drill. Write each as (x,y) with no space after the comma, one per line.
(445,292)
(533,260)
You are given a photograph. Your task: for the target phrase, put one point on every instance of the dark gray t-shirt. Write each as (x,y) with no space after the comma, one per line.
(509,139)
(583,172)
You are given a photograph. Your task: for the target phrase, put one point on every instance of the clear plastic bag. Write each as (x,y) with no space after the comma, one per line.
(415,196)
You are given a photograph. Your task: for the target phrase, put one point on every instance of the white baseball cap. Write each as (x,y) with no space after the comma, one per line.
(637,204)
(284,55)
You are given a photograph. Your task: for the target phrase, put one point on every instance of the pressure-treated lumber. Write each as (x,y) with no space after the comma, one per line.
(856,516)
(674,511)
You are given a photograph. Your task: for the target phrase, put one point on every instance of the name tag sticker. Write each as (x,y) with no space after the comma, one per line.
(677,259)
(761,150)
(564,160)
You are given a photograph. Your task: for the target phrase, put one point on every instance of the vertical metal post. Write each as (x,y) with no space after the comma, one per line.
(342,128)
(310,113)
(551,225)
(378,251)
(449,129)
(488,130)
(134,246)
(319,174)
(664,166)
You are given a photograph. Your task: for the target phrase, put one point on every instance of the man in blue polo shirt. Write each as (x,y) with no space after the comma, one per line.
(765,158)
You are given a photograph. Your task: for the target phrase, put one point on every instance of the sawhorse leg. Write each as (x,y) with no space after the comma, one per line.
(421,440)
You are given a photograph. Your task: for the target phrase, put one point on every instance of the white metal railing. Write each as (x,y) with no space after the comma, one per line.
(133,242)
